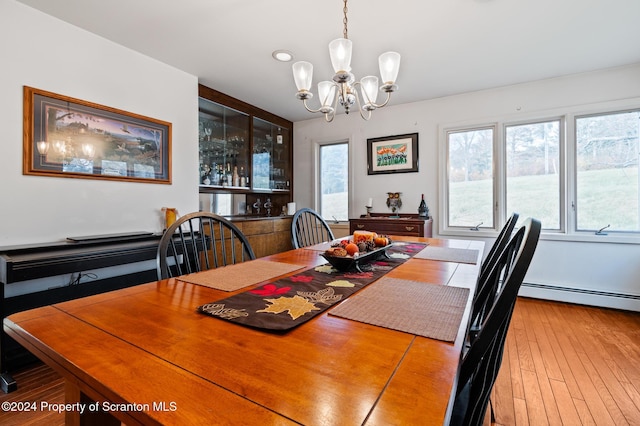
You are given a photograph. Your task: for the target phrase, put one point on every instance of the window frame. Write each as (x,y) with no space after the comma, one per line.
(317,185)
(568,177)
(447,181)
(574,203)
(562,173)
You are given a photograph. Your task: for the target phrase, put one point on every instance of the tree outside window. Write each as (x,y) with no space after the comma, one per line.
(533,171)
(470,177)
(607,171)
(334,181)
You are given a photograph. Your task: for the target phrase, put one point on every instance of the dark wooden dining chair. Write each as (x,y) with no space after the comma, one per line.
(492,257)
(309,228)
(481,362)
(200,241)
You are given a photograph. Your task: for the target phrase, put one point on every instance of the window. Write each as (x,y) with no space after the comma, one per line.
(577,173)
(607,171)
(334,181)
(532,154)
(470,178)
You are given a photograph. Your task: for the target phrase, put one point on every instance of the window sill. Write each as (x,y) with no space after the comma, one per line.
(583,237)
(586,237)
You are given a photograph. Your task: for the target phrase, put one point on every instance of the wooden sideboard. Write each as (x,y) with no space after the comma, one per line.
(267,235)
(403,224)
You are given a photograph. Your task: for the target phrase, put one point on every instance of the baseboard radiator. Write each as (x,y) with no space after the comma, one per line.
(605,299)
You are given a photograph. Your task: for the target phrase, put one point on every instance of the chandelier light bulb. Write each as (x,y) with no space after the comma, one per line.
(369,87)
(389,66)
(340,54)
(303,74)
(326,93)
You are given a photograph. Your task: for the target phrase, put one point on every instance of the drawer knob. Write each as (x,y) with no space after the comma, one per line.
(409,228)
(360,226)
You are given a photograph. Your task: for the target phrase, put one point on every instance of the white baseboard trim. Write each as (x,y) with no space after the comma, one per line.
(624,301)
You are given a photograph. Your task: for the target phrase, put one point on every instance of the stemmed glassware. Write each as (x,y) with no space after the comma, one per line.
(268,205)
(279,152)
(257,206)
(207,132)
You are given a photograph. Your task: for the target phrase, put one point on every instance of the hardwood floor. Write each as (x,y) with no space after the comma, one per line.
(563,365)
(36,384)
(569,365)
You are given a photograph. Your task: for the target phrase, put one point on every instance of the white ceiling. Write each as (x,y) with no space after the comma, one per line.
(447,46)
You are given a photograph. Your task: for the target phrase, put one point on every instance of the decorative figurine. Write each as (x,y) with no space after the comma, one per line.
(393,201)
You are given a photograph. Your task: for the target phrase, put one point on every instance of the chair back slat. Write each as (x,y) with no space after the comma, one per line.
(214,247)
(193,234)
(309,228)
(206,232)
(200,241)
(223,245)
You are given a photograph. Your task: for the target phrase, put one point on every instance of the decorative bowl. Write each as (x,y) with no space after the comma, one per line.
(345,263)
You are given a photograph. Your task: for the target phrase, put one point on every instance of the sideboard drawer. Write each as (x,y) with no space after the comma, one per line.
(413,227)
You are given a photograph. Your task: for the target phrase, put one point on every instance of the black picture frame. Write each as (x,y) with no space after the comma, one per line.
(392,154)
(72,138)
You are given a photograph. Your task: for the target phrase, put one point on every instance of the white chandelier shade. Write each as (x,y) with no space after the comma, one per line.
(340,54)
(303,74)
(326,92)
(369,87)
(389,63)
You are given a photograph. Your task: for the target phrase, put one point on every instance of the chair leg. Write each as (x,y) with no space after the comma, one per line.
(493,417)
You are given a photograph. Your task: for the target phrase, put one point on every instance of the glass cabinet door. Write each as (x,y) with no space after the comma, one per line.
(271,162)
(224,146)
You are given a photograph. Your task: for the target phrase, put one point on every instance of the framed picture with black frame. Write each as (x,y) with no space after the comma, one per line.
(392,154)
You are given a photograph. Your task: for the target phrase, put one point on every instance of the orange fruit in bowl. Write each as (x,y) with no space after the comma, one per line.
(381,241)
(351,249)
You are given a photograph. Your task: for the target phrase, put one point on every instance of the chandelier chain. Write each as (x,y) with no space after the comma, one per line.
(345,20)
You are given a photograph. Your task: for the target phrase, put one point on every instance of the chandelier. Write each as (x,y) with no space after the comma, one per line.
(343,88)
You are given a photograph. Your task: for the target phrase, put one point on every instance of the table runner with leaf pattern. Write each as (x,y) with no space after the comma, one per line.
(291,301)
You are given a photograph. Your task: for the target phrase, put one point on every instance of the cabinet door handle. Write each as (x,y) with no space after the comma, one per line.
(409,228)
(360,226)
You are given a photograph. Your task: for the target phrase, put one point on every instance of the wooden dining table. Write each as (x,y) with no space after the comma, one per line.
(144,355)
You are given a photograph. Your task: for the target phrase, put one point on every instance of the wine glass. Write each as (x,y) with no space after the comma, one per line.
(207,132)
(268,205)
(257,206)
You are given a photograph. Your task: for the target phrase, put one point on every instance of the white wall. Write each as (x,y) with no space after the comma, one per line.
(43,52)
(578,268)
(40,51)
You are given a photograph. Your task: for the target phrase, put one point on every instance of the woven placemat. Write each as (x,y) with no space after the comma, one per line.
(448,254)
(423,309)
(240,275)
